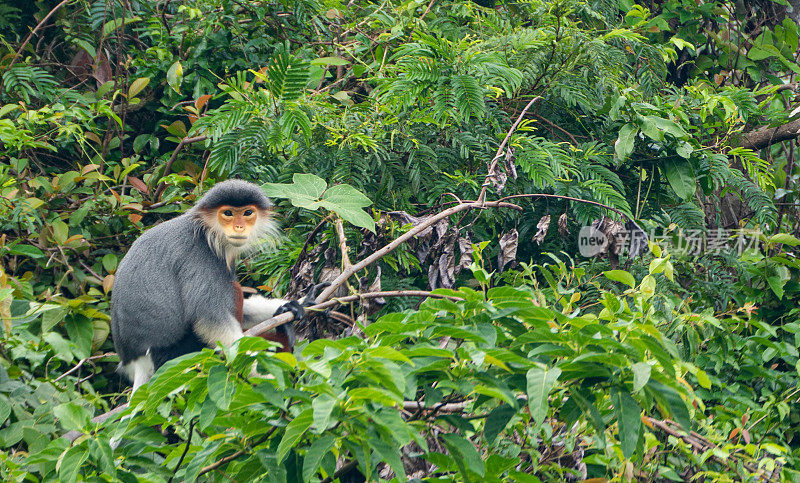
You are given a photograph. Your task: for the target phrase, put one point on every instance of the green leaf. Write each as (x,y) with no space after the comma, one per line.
(680,177)
(330,61)
(72,416)
(629,420)
(304,192)
(540,383)
(309,191)
(621,276)
(641,374)
(703,379)
(672,400)
(116,23)
(80,330)
(51,317)
(137,86)
(314,455)
(497,421)
(625,142)
(323,406)
(467,452)
(26,250)
(390,454)
(776,284)
(5,410)
(348,202)
(220,387)
(287,77)
(69,464)
(175,76)
(294,431)
(110,262)
(784,238)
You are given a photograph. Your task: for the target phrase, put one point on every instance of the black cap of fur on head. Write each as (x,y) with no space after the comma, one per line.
(234,192)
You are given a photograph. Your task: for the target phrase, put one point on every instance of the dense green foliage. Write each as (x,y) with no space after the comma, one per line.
(115,115)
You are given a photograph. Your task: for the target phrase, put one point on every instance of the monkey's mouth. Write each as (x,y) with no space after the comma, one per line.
(238,239)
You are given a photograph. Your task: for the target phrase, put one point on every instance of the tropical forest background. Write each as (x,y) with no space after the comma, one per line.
(494,141)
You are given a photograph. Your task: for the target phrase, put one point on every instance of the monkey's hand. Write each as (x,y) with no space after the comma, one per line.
(287,329)
(297,309)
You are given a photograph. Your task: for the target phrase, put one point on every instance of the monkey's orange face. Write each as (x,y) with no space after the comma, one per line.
(237,222)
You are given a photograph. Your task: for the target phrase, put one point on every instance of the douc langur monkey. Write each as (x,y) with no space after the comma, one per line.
(175,291)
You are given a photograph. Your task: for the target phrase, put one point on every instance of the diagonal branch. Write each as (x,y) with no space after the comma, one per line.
(767,136)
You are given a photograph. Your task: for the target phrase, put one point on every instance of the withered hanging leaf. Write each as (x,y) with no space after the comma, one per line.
(428,239)
(511,167)
(496,176)
(562,225)
(371,305)
(433,276)
(138,184)
(465,247)
(330,255)
(542,226)
(447,262)
(501,179)
(612,230)
(329,274)
(508,249)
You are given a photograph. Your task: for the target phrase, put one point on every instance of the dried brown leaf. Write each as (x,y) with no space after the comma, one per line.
(563,230)
(508,249)
(465,247)
(542,226)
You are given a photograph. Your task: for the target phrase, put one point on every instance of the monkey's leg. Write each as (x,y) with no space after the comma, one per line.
(140,370)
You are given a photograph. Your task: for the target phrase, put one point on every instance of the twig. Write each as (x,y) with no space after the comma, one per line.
(83,361)
(447,407)
(168,167)
(185,450)
(213,466)
(500,148)
(342,244)
(569,198)
(30,35)
(556,126)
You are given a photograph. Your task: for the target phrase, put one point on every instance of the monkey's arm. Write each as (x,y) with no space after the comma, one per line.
(257,309)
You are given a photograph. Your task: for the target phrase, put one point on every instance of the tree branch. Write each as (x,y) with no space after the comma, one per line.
(767,136)
(284,318)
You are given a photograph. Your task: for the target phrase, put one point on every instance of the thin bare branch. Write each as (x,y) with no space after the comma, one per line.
(498,154)
(342,244)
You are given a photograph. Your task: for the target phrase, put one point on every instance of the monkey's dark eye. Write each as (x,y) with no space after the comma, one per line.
(227,213)
(248,212)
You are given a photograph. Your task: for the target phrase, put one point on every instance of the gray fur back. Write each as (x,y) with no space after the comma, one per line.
(168,280)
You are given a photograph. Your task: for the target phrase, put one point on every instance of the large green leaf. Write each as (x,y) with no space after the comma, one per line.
(540,383)
(220,387)
(629,420)
(680,177)
(625,142)
(311,192)
(314,455)
(294,431)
